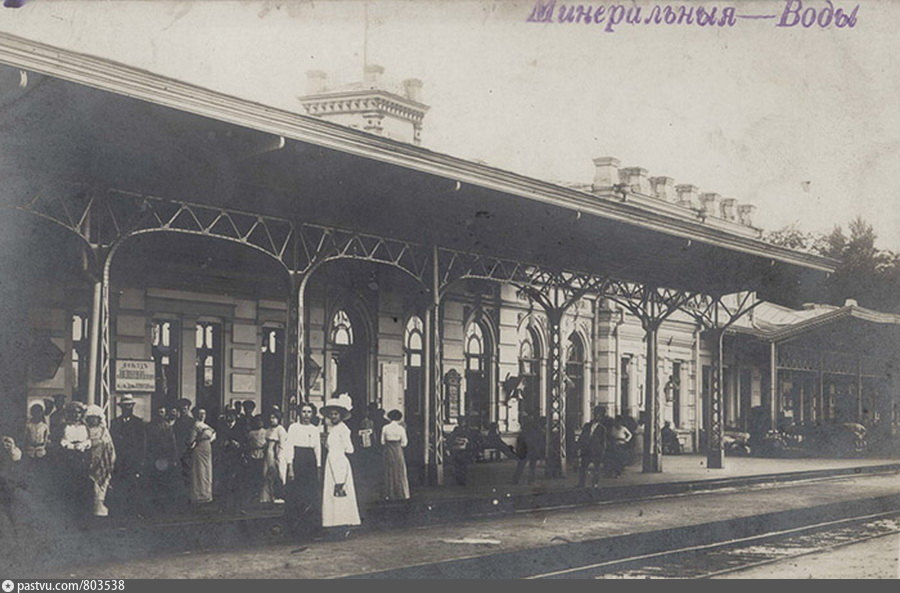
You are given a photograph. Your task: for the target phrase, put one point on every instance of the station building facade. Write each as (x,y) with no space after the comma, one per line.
(192,316)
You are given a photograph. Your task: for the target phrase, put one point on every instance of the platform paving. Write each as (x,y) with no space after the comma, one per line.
(522,543)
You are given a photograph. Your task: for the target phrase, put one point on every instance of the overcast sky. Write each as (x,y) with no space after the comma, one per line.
(801,122)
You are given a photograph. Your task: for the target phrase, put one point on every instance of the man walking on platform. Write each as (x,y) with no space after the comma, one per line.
(592,447)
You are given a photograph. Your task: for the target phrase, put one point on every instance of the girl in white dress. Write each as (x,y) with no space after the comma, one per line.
(339,506)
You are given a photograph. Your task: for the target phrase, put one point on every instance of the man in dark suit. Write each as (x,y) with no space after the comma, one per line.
(592,447)
(129,435)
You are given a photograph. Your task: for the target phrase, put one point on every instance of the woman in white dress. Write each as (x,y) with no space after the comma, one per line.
(200,446)
(339,506)
(275,468)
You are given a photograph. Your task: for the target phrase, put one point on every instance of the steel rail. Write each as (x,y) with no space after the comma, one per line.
(608,566)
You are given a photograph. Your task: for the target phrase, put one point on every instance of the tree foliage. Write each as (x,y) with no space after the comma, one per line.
(865,273)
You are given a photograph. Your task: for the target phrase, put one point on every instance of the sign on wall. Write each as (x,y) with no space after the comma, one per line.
(391,391)
(135,376)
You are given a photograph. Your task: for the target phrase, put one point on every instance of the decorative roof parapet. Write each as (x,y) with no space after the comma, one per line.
(709,204)
(664,189)
(606,174)
(727,209)
(688,196)
(745,214)
(636,179)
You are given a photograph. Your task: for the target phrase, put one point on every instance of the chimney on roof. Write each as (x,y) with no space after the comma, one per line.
(316,81)
(728,206)
(709,203)
(412,87)
(664,188)
(636,179)
(606,173)
(688,195)
(745,214)
(372,75)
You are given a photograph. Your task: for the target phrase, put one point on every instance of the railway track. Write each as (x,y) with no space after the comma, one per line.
(720,558)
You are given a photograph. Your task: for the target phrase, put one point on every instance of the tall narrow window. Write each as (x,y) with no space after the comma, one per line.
(574,388)
(272,368)
(208,340)
(477,388)
(530,374)
(625,385)
(164,346)
(675,387)
(81,355)
(414,353)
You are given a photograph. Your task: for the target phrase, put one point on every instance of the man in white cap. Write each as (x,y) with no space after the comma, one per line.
(129,434)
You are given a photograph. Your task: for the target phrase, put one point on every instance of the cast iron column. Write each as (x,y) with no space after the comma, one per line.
(652,462)
(295,339)
(556,406)
(715,455)
(434,452)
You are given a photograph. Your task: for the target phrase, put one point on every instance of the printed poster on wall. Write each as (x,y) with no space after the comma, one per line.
(391,393)
(135,376)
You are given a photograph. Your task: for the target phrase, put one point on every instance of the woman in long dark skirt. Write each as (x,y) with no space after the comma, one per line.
(393,439)
(256,460)
(303,491)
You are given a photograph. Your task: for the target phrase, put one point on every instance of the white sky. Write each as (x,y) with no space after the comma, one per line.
(751,112)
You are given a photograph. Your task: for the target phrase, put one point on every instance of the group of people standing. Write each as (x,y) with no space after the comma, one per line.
(135,468)
(607,445)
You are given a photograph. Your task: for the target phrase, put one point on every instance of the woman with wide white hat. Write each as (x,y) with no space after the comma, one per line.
(102,457)
(339,506)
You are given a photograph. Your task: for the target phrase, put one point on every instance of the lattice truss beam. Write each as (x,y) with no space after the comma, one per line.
(651,305)
(456,265)
(103,218)
(719,312)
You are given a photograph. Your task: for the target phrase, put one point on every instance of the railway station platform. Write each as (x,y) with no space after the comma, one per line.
(638,514)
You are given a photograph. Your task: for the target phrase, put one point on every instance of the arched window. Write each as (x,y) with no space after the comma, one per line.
(478,391)
(574,350)
(414,355)
(270,341)
(414,342)
(574,386)
(474,347)
(341,329)
(530,374)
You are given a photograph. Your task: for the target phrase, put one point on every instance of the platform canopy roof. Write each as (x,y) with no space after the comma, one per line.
(850,329)
(66,116)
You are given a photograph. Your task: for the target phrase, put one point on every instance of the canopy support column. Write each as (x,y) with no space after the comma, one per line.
(652,461)
(773,385)
(556,394)
(717,315)
(652,306)
(94,362)
(434,401)
(295,372)
(715,454)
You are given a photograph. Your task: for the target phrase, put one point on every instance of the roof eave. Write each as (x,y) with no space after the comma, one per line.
(139,84)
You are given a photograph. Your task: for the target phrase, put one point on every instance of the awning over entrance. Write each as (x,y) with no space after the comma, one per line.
(81,121)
